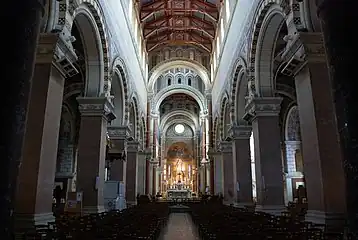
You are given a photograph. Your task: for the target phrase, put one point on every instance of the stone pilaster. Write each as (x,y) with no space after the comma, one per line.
(95,113)
(217,165)
(118,136)
(320,142)
(263,113)
(38,166)
(241,154)
(132,148)
(229,169)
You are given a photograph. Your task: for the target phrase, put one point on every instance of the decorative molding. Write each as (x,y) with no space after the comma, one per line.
(132,146)
(225,147)
(46,47)
(96,106)
(118,132)
(262,107)
(240,132)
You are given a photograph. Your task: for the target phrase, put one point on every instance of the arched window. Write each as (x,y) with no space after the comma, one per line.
(169,81)
(179,80)
(189,81)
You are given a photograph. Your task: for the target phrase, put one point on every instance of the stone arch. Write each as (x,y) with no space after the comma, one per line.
(72,89)
(134,120)
(224,115)
(55,16)
(90,21)
(238,91)
(179,63)
(172,122)
(267,24)
(216,131)
(120,68)
(187,114)
(179,88)
(292,125)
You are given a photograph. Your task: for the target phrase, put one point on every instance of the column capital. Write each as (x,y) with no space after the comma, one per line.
(313,45)
(213,152)
(132,146)
(240,131)
(225,146)
(118,132)
(96,106)
(262,107)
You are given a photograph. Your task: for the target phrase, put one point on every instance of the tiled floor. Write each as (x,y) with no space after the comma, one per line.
(180,227)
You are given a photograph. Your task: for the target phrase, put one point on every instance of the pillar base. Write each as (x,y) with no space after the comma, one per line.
(271,209)
(92,209)
(29,221)
(331,220)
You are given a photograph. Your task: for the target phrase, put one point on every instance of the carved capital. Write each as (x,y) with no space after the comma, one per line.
(96,106)
(240,132)
(225,147)
(120,132)
(262,107)
(132,146)
(314,46)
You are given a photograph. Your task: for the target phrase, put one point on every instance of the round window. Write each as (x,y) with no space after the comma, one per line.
(179,128)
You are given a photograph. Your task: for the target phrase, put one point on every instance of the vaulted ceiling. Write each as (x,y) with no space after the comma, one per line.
(179,22)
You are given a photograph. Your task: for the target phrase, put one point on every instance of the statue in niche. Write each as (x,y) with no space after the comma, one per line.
(166,54)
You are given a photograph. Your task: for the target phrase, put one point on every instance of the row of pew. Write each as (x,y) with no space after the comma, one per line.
(217,221)
(140,222)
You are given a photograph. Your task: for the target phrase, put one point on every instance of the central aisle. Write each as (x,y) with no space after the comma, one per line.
(180,227)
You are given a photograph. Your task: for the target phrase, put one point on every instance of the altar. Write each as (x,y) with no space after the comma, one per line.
(179,191)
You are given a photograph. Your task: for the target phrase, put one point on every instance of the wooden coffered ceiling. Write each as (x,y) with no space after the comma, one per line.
(179,22)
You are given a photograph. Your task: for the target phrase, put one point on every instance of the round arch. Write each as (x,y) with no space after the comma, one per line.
(90,23)
(187,114)
(134,120)
(167,65)
(224,115)
(120,69)
(238,91)
(177,121)
(72,89)
(179,88)
(268,23)
(292,125)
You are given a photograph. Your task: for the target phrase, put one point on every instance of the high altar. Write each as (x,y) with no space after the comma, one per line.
(180,176)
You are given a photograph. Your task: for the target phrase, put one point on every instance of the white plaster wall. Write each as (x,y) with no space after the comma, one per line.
(125,45)
(234,38)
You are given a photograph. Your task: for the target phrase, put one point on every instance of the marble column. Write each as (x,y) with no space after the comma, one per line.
(322,153)
(241,154)
(17,76)
(263,113)
(338,21)
(95,113)
(132,172)
(217,165)
(229,169)
(36,177)
(118,136)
